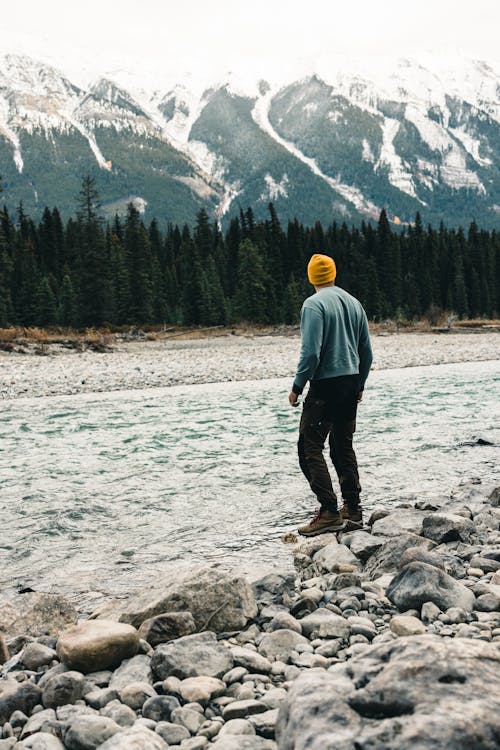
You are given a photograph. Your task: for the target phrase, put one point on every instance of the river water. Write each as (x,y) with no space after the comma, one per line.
(101,493)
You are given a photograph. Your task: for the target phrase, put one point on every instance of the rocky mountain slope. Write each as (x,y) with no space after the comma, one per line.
(337,144)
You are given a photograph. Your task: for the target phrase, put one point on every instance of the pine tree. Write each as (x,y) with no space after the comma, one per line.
(93,272)
(45,304)
(68,315)
(250,297)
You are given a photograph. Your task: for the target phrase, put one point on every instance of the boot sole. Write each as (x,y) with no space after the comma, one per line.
(324,530)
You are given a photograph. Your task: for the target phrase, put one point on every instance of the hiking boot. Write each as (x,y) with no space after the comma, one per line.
(352,517)
(323,521)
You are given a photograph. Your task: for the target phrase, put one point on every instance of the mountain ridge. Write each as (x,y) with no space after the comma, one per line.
(339,144)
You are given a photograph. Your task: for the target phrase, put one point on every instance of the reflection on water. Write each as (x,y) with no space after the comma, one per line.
(105,491)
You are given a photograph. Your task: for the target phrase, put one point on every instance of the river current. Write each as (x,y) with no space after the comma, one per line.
(102,493)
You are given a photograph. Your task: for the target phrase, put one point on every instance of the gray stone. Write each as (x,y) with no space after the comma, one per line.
(234,675)
(237,726)
(274,588)
(362,626)
(388,557)
(201,689)
(406,625)
(136,738)
(4,651)
(429,612)
(42,741)
(487,603)
(123,715)
(325,624)
(217,600)
(89,732)
(243,742)
(101,697)
(35,655)
(8,743)
(195,743)
(17,696)
(136,694)
(37,721)
(137,669)
(265,723)
(403,520)
(241,709)
(251,660)
(34,614)
(192,656)
(173,734)
(63,688)
(486,564)
(420,554)
(407,693)
(333,556)
(167,627)
(447,527)
(160,708)
(188,718)
(418,583)
(97,644)
(280,643)
(285,621)
(363,545)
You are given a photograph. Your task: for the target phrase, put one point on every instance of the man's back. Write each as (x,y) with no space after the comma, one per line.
(335,337)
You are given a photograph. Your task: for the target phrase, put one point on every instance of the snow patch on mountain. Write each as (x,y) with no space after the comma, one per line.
(471,145)
(399,176)
(367,153)
(260,115)
(275,189)
(454,169)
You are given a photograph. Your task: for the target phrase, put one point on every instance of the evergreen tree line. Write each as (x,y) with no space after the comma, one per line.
(88,272)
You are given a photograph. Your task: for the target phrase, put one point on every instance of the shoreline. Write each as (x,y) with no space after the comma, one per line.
(206,659)
(137,365)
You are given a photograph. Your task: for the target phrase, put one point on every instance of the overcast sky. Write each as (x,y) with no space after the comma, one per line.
(219,35)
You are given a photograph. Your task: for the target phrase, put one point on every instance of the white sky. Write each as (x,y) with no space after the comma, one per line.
(213,36)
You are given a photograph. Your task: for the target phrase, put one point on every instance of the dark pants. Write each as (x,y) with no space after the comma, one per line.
(330,411)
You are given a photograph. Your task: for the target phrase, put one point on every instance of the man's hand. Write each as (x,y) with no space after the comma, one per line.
(360,396)
(293,399)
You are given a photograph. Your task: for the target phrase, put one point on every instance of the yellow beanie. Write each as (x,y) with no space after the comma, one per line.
(321,270)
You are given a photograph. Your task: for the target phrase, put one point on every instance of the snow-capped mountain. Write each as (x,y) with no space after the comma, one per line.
(340,143)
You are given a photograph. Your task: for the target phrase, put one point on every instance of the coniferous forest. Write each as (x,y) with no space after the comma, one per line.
(86,272)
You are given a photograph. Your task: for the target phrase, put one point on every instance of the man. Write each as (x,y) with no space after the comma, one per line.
(335,357)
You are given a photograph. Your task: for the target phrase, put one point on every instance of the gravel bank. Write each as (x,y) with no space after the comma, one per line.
(149,364)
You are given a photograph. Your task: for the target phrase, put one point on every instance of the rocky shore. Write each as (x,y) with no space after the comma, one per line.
(384,639)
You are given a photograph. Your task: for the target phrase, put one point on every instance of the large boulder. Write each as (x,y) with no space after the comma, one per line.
(217,600)
(407,520)
(421,692)
(93,645)
(332,557)
(448,527)
(167,627)
(192,656)
(364,545)
(419,582)
(35,614)
(387,558)
(17,696)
